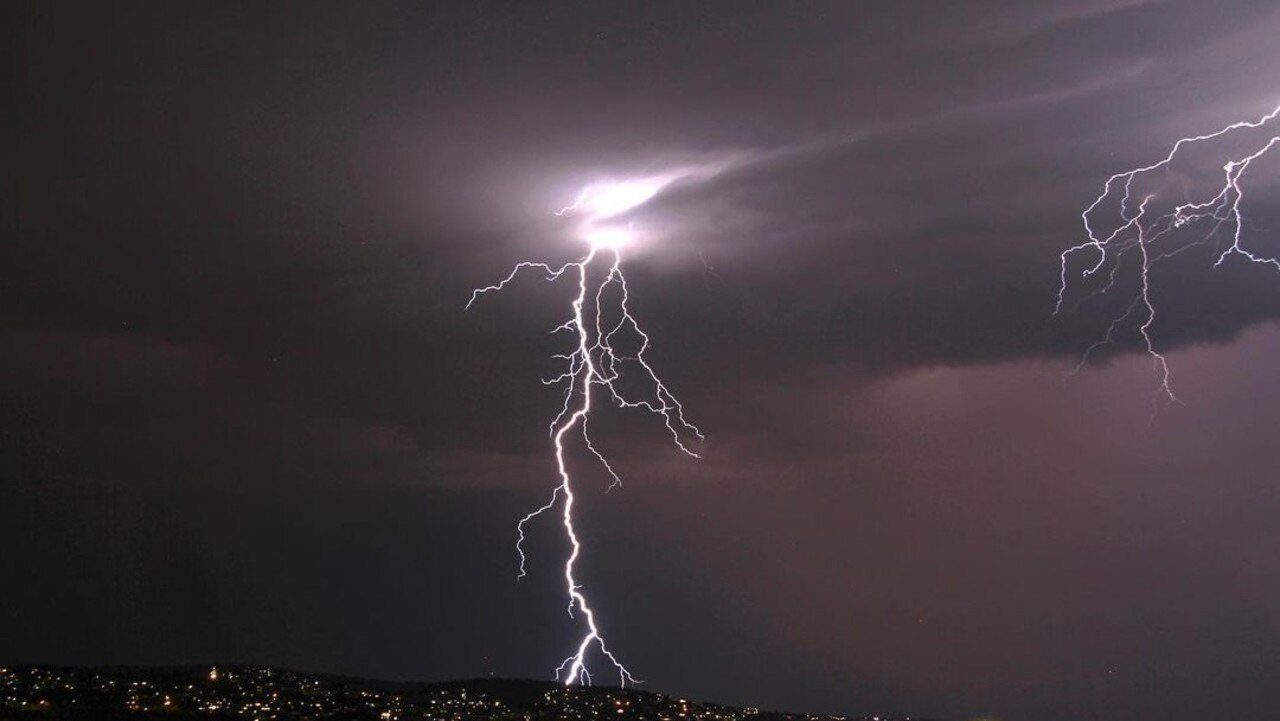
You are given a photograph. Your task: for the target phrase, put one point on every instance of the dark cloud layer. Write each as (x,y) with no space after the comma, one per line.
(243,414)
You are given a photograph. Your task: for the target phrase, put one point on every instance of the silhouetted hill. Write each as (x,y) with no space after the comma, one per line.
(263,693)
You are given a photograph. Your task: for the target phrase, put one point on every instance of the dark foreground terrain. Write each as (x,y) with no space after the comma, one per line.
(259,692)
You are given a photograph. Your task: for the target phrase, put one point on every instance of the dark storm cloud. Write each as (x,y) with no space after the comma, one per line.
(892,148)
(237,371)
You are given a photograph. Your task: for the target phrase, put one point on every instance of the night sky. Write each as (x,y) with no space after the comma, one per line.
(244,416)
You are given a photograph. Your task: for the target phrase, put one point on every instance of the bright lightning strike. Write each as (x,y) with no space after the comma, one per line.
(593,370)
(1138,228)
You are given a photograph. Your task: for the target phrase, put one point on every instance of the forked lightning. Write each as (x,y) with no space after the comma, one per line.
(1135,228)
(600,318)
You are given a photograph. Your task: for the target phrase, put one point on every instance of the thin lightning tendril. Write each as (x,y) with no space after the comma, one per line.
(595,364)
(1137,230)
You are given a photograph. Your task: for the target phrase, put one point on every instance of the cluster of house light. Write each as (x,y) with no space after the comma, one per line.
(267,694)
(263,694)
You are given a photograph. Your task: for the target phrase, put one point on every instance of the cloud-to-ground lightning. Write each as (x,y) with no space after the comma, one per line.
(1153,231)
(601,323)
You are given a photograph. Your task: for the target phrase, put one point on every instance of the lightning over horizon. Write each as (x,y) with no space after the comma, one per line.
(1154,232)
(608,341)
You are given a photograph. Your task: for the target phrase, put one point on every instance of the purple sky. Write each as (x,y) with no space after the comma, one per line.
(243,415)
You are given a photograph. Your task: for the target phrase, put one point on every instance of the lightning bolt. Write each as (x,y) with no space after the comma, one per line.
(1149,234)
(601,317)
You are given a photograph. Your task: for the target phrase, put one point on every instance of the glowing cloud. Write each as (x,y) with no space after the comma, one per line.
(605,200)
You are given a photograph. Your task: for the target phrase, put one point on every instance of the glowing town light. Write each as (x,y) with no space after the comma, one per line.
(600,318)
(1150,237)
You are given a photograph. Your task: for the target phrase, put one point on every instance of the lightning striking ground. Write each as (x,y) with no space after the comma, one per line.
(1150,234)
(601,318)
